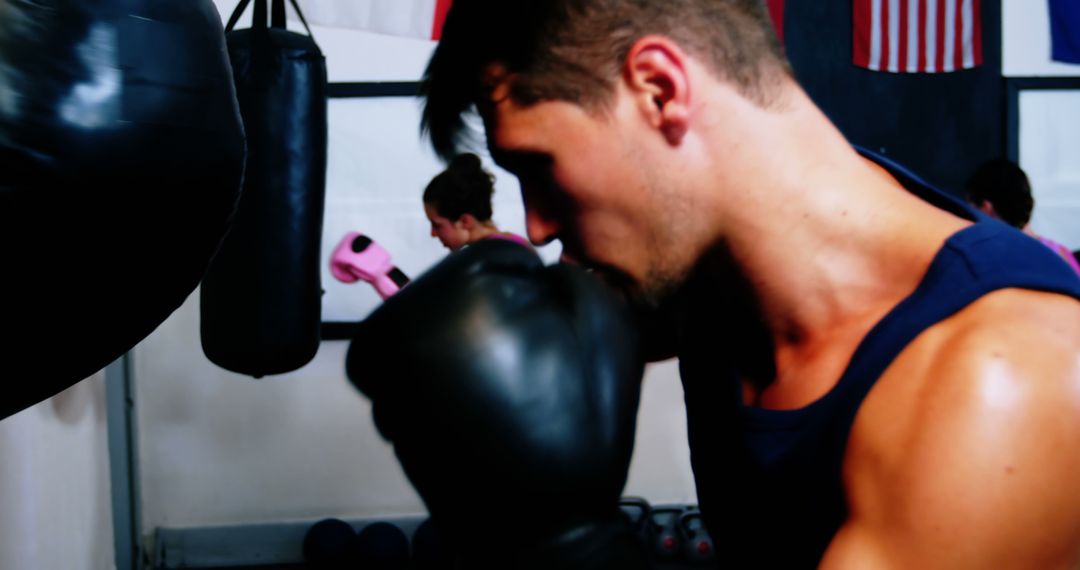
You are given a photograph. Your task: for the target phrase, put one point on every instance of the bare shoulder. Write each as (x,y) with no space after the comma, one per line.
(967,452)
(1017,342)
(1025,339)
(1049,316)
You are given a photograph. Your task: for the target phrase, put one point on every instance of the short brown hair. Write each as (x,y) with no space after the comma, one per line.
(1005,185)
(572,50)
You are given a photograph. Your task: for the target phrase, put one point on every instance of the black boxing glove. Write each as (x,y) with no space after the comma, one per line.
(510,392)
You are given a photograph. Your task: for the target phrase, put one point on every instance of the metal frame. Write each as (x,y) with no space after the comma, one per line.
(267,545)
(123,464)
(373,89)
(1013,87)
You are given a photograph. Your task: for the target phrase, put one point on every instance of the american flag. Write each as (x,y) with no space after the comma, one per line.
(917,36)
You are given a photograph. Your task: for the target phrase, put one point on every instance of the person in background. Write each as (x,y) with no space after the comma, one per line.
(1000,188)
(457,202)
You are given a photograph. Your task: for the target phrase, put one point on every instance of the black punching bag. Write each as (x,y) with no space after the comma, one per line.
(121,155)
(261,299)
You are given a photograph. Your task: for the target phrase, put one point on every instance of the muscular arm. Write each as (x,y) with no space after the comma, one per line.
(974,462)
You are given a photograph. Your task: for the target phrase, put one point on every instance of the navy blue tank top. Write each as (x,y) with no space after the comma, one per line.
(769,481)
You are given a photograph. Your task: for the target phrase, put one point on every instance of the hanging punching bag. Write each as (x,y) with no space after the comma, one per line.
(261,299)
(121,156)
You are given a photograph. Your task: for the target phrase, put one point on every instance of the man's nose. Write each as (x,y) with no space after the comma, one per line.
(540,227)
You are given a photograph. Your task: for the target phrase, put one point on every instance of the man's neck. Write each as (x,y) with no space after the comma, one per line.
(826,241)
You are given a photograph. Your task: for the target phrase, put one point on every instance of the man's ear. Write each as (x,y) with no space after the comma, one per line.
(656,74)
(987,208)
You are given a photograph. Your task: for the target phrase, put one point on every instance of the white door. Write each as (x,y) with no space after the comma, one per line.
(1050,154)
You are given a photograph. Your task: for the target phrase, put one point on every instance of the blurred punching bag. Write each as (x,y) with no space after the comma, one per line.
(121,156)
(261,299)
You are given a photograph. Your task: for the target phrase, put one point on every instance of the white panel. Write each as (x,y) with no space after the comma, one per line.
(1050,154)
(378,167)
(376,172)
(1025,41)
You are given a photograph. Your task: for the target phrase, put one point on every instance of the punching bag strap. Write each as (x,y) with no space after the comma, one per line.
(279,15)
(239,11)
(258,17)
(258,20)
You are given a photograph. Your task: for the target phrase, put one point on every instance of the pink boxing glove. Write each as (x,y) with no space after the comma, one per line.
(358,258)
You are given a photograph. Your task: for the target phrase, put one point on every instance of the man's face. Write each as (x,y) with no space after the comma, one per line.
(589,180)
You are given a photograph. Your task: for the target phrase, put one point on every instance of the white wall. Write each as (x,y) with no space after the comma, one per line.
(1026,41)
(219,448)
(55,504)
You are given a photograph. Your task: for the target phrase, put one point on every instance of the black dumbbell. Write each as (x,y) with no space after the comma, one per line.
(635,511)
(664,532)
(697,545)
(430,549)
(330,543)
(382,546)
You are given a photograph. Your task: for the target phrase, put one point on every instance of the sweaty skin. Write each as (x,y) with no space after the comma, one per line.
(966,453)
(960,454)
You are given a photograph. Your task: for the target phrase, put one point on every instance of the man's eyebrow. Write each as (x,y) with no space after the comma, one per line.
(518,160)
